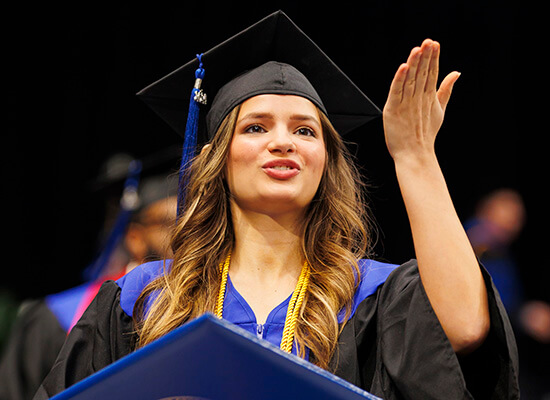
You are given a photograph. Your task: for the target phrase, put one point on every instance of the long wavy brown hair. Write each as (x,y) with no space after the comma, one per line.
(335,235)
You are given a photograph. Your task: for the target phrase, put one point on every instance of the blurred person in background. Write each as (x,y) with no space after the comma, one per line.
(139,233)
(498,221)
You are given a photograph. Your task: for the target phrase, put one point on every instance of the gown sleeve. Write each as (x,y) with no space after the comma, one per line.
(101,336)
(410,357)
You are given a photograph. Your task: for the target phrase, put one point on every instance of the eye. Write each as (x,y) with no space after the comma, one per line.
(255,129)
(305,131)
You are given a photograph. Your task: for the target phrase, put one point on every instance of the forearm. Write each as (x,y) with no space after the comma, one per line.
(447,264)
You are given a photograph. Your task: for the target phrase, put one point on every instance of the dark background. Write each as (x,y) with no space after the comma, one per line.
(71,74)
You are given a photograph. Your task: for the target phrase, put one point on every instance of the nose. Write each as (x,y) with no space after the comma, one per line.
(282,141)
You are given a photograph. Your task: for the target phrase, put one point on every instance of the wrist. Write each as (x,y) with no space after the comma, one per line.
(416,163)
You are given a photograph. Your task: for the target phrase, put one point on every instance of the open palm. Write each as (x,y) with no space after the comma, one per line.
(415,107)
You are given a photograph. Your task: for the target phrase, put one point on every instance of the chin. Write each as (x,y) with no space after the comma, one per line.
(275,203)
(287,197)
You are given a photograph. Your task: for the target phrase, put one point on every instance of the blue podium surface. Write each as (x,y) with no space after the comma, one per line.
(212,359)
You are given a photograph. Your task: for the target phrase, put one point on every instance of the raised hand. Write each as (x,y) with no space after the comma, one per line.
(415,107)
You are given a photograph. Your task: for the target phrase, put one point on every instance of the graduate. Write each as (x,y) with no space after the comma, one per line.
(273,230)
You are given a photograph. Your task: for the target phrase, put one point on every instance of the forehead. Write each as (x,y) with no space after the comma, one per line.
(279,105)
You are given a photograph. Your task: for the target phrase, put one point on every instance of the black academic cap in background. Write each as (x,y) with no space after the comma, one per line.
(114,169)
(274,38)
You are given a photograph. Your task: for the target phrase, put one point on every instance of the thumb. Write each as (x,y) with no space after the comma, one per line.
(446,88)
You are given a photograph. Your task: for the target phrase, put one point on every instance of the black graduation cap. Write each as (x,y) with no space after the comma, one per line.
(271,56)
(274,38)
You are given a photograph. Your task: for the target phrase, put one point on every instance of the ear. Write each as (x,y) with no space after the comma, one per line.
(205,147)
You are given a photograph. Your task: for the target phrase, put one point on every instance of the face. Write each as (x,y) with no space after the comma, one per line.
(149,238)
(159,221)
(277,154)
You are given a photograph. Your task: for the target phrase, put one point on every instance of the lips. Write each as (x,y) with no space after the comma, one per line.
(281,169)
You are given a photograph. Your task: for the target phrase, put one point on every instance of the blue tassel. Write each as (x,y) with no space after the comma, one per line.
(128,204)
(191,128)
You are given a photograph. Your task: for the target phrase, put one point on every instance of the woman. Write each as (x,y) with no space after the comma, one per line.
(272,236)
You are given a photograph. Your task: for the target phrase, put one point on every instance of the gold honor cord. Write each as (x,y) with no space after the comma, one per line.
(293,307)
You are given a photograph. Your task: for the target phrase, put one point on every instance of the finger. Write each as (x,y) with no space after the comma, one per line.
(423,67)
(446,88)
(431,83)
(396,88)
(413,54)
(412,62)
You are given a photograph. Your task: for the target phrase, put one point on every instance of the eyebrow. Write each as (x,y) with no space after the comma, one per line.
(257,116)
(293,117)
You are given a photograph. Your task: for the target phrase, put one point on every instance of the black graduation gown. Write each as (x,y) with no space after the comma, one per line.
(393,346)
(33,345)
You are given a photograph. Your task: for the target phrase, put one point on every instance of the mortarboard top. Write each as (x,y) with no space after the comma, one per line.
(274,38)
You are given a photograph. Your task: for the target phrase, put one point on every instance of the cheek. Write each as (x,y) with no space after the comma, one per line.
(317,163)
(241,156)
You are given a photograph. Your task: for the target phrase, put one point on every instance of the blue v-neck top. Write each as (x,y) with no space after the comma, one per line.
(238,311)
